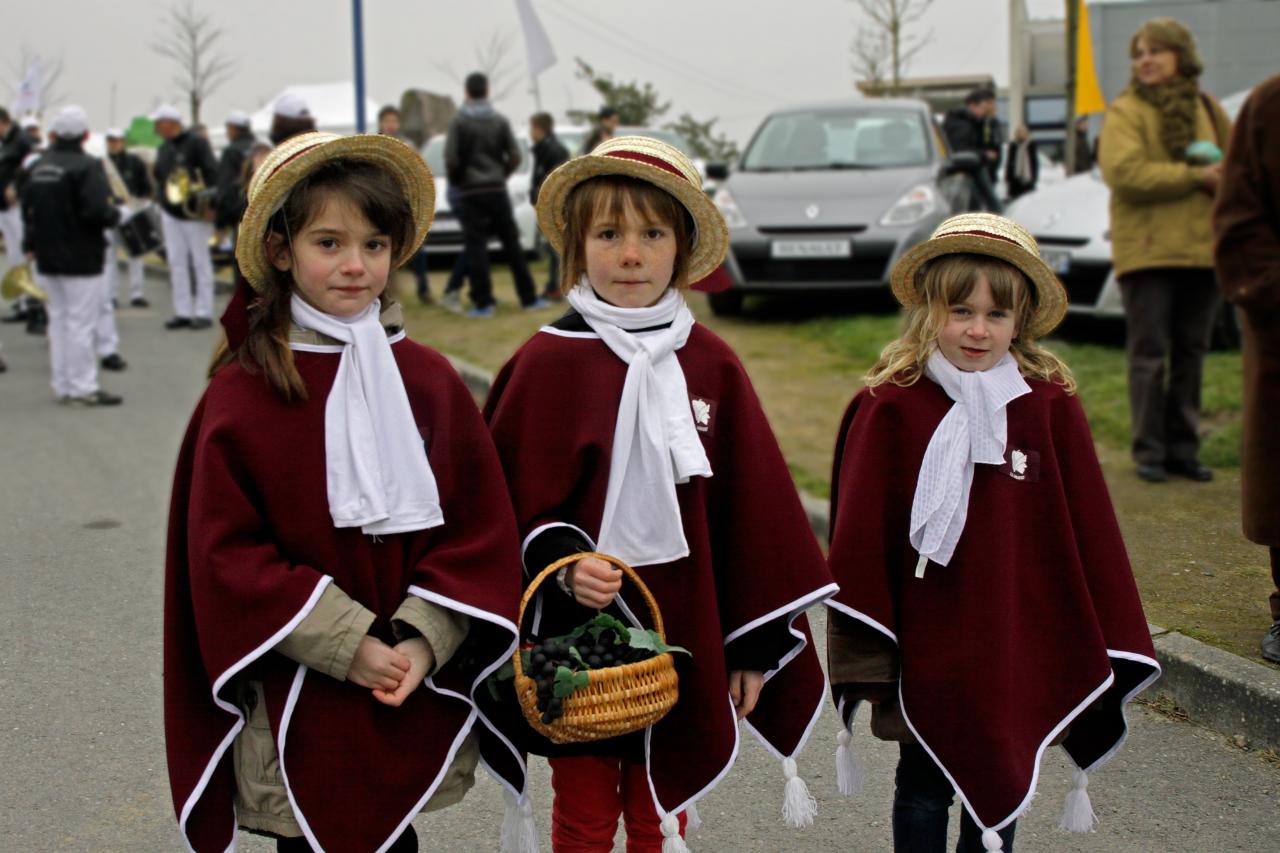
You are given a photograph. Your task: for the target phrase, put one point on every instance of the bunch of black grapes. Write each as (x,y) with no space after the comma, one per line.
(546,658)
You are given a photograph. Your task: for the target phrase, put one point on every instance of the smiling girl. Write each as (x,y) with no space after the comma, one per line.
(342,564)
(627,428)
(986,605)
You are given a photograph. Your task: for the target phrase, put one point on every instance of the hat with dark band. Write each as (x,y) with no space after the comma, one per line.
(299,156)
(997,237)
(649,160)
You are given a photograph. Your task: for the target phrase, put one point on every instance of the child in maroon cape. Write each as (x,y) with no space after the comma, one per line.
(627,428)
(342,567)
(986,605)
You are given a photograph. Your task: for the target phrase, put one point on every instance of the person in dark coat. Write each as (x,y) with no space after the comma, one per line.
(1021,166)
(971,128)
(14,147)
(137,184)
(66,208)
(1246,224)
(548,153)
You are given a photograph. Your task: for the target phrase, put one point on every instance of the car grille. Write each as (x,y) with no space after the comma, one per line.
(868,264)
(1084,282)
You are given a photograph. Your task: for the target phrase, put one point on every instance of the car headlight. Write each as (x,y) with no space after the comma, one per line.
(729,208)
(915,204)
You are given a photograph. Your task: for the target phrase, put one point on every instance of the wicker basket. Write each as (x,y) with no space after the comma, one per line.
(618,699)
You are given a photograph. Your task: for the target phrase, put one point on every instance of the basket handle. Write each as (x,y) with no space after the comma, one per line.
(626,570)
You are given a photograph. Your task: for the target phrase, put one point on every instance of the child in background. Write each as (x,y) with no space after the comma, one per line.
(342,561)
(627,428)
(986,605)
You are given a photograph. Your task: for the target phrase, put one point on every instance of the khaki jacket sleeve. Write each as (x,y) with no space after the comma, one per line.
(861,660)
(1128,166)
(444,630)
(327,638)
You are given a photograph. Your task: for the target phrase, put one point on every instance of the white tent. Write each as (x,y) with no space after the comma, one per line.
(333,105)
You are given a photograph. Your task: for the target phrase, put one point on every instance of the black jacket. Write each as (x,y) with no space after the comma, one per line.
(480,151)
(548,153)
(134,174)
(66,207)
(1018,187)
(229,203)
(964,131)
(14,148)
(192,151)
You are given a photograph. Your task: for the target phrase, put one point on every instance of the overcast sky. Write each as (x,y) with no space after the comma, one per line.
(726,58)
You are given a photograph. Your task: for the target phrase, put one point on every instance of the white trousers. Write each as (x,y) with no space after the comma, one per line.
(11,228)
(75,305)
(186,245)
(113,269)
(106,337)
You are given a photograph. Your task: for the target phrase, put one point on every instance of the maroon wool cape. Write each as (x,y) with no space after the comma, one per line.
(753,563)
(252,545)
(1035,620)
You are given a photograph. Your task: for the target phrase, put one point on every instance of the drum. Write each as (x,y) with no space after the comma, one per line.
(140,233)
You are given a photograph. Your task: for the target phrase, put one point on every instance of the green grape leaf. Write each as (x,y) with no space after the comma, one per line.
(525,661)
(604,622)
(576,655)
(566,682)
(651,641)
(507,670)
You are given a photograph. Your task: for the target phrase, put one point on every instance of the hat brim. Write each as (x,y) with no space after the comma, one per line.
(1050,297)
(301,155)
(711,242)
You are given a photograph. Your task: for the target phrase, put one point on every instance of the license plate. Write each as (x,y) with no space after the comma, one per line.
(1059,262)
(811,249)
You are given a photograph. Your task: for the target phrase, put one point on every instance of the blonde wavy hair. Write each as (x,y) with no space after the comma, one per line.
(946,281)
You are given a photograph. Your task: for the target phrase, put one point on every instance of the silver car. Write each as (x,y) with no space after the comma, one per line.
(828,196)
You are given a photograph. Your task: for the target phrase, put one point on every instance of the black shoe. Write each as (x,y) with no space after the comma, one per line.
(139,302)
(37,320)
(3,366)
(201,323)
(1152,473)
(113,362)
(178,323)
(1271,643)
(18,316)
(1191,469)
(97,398)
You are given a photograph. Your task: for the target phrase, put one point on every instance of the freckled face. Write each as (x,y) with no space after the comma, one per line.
(629,261)
(340,261)
(1154,64)
(978,332)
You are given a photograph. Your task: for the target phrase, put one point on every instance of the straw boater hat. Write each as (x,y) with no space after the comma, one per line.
(649,160)
(986,234)
(299,156)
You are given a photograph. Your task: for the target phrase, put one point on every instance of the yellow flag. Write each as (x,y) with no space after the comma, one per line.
(1088,92)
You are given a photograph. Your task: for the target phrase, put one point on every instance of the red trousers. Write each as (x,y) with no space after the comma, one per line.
(591,792)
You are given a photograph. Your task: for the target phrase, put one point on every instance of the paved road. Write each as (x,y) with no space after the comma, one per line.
(82,513)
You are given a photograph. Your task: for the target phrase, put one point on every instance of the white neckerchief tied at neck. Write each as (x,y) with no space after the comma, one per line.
(974,430)
(377,472)
(655,442)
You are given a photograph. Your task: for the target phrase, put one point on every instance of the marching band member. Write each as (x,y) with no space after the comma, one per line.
(137,184)
(187,228)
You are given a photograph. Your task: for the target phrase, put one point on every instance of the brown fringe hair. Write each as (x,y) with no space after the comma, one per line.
(376,194)
(614,195)
(946,281)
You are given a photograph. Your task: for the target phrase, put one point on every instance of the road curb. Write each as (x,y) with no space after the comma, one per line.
(1225,692)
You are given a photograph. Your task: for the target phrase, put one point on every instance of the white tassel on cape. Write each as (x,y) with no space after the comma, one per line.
(519,834)
(1077,812)
(692,820)
(799,808)
(991,840)
(851,775)
(671,840)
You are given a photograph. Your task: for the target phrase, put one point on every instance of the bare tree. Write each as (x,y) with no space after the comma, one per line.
(190,39)
(495,60)
(870,50)
(50,75)
(886,31)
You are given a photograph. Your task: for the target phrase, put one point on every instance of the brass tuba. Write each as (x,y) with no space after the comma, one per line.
(190,194)
(18,281)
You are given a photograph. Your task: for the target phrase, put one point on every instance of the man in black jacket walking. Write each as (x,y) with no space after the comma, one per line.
(973,128)
(187,228)
(480,153)
(548,153)
(66,207)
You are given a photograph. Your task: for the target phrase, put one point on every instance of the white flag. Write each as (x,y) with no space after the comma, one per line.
(537,47)
(28,100)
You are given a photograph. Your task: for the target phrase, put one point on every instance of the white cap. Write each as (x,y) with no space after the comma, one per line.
(238,118)
(28,122)
(70,123)
(166,112)
(115,133)
(290,105)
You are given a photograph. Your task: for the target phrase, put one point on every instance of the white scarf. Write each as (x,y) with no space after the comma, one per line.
(655,442)
(974,430)
(377,472)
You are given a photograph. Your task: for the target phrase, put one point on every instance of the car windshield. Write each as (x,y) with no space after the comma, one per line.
(863,138)
(433,153)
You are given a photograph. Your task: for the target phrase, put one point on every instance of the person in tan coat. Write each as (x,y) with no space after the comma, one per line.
(1246,224)
(1162,190)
